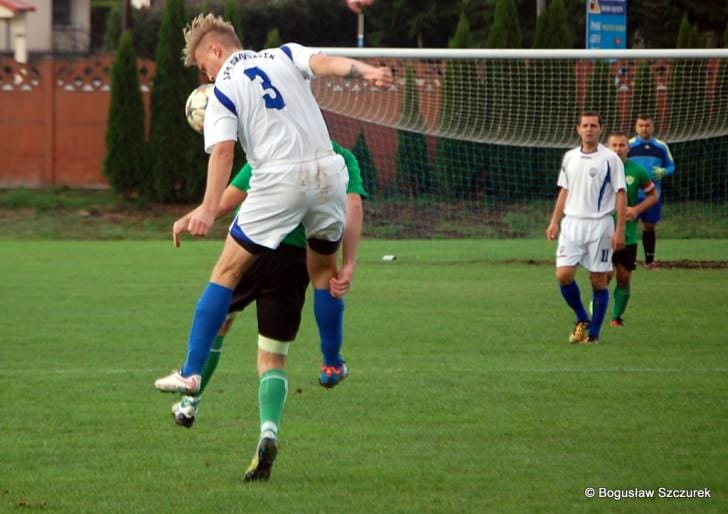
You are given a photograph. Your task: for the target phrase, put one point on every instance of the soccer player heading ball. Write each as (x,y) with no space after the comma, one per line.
(264,100)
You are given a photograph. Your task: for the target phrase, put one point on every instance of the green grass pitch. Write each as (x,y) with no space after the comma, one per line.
(464,395)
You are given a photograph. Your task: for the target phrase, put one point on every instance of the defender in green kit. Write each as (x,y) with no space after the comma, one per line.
(625,260)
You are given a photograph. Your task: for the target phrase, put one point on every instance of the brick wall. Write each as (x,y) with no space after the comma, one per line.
(53,120)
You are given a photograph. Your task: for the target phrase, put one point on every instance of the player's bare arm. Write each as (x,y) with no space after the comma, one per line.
(178,228)
(340,284)
(218,174)
(552,231)
(380,76)
(232,197)
(651,198)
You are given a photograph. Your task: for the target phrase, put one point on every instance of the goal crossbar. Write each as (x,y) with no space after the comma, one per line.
(448,53)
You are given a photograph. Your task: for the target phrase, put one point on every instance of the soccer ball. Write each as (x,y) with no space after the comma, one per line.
(196,105)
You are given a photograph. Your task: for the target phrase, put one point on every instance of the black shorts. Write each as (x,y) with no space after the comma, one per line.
(277,282)
(626,257)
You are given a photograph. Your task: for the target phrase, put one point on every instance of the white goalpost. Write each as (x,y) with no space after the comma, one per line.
(477,135)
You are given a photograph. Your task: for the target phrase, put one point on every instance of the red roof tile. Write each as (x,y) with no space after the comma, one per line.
(16,5)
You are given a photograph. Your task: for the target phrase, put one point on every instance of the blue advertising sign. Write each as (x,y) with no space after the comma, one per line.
(606,24)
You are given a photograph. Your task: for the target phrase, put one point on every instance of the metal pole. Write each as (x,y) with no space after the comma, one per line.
(360,29)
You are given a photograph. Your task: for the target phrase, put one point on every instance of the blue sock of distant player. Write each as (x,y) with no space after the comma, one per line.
(572,296)
(329,312)
(600,300)
(210,313)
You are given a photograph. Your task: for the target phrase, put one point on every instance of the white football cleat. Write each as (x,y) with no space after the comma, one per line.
(176,383)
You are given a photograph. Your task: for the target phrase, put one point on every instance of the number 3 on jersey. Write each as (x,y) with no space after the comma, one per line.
(272,97)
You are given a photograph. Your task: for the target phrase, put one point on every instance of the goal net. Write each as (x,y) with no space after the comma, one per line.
(468,143)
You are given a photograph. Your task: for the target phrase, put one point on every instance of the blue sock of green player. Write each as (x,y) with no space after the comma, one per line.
(571,294)
(600,300)
(329,313)
(210,313)
(272,392)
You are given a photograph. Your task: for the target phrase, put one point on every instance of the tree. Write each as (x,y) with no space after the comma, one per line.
(601,95)
(688,83)
(462,37)
(696,37)
(720,105)
(366,164)
(124,164)
(402,23)
(689,35)
(505,31)
(316,22)
(576,22)
(557,79)
(273,39)
(653,23)
(644,92)
(552,27)
(233,15)
(454,176)
(413,171)
(112,30)
(177,158)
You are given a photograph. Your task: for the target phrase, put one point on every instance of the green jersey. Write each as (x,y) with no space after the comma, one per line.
(298,236)
(637,179)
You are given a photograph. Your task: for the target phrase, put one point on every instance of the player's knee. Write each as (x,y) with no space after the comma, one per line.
(598,280)
(272,354)
(321,268)
(564,276)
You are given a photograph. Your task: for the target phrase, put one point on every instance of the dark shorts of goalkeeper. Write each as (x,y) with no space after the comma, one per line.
(653,214)
(276,282)
(626,257)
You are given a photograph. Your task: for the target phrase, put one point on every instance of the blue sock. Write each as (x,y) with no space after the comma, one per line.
(329,312)
(573,298)
(600,300)
(209,317)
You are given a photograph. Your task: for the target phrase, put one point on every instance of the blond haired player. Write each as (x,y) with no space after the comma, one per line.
(263,99)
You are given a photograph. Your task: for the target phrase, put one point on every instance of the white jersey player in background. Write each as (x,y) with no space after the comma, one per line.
(264,100)
(592,188)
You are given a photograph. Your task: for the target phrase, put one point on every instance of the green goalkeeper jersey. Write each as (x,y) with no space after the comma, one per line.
(637,179)
(356,185)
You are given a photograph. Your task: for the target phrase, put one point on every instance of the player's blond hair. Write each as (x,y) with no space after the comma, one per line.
(201,26)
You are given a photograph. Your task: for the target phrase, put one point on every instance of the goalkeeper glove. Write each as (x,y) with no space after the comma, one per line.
(658,173)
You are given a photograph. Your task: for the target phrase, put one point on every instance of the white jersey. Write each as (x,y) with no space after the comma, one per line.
(592,180)
(265,100)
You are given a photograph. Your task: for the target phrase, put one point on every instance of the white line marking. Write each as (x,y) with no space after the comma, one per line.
(373,371)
